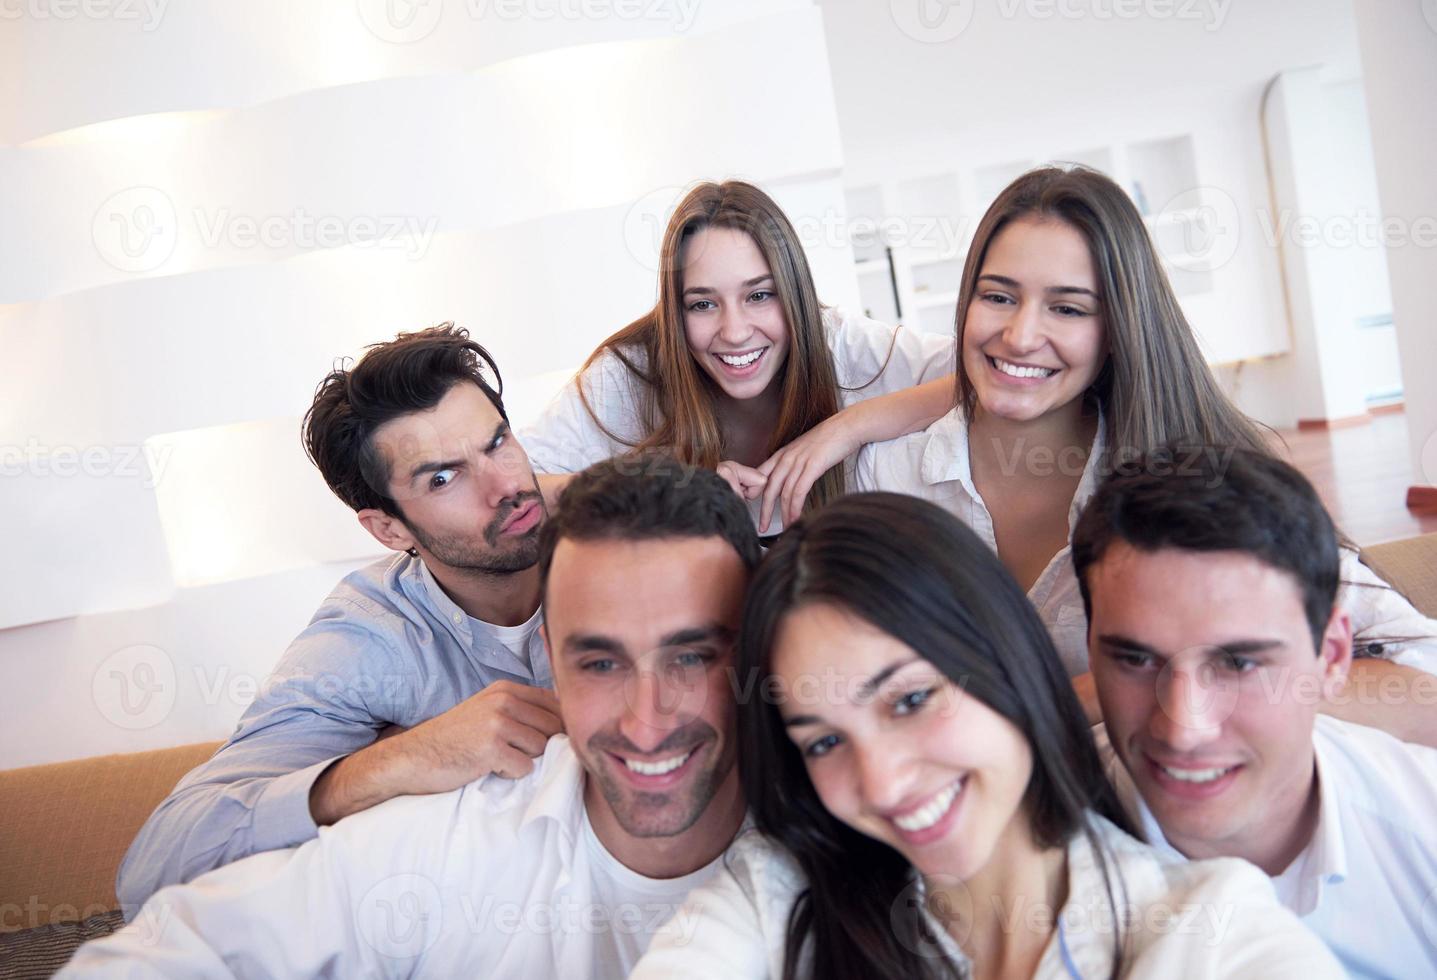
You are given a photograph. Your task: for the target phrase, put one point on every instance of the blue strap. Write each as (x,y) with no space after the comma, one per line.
(1067,954)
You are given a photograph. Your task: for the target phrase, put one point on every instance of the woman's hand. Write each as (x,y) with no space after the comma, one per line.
(746,481)
(793,470)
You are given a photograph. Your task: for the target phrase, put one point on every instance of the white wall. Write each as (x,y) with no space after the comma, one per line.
(165,287)
(1399,51)
(985,83)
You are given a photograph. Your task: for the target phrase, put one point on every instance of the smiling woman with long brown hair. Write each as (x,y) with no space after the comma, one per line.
(739,368)
(1074,357)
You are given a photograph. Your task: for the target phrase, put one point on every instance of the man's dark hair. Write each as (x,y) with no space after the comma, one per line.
(410,373)
(648,497)
(1205,498)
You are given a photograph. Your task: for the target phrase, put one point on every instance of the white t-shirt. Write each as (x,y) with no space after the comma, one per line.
(636,906)
(1202,919)
(496,879)
(566,438)
(514,638)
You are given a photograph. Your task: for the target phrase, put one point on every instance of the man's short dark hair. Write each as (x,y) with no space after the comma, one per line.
(1205,498)
(411,373)
(648,497)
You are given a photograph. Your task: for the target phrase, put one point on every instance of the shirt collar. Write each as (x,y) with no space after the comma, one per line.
(447,608)
(560,795)
(1088,482)
(1324,861)
(945,452)
(945,458)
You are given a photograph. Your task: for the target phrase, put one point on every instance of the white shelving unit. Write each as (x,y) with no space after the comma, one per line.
(924,225)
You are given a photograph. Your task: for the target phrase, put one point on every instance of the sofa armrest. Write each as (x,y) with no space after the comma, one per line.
(68,825)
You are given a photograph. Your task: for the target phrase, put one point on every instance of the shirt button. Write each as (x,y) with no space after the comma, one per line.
(458,618)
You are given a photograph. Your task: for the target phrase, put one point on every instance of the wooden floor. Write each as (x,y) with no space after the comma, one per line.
(1362,473)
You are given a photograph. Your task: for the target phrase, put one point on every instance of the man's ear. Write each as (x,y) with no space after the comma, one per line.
(1335,652)
(387,529)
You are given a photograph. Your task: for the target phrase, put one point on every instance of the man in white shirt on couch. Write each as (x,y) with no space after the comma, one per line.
(568,871)
(1214,638)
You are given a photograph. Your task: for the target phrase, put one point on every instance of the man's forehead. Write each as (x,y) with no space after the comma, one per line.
(463,416)
(643,588)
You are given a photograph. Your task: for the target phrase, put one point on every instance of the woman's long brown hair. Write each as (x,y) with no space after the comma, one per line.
(676,398)
(1156,388)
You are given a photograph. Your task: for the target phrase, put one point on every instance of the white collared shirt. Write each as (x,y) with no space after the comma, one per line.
(934,464)
(501,878)
(1367,882)
(1200,919)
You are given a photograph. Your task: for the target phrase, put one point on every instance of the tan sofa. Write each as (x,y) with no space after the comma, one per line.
(64,830)
(1410,565)
(65,827)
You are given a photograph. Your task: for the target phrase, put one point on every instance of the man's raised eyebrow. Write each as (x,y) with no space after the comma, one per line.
(499,430)
(448,464)
(423,468)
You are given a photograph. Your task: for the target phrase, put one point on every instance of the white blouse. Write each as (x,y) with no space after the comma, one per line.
(566,438)
(934,464)
(1201,919)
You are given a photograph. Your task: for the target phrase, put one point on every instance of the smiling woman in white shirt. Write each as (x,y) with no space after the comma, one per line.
(739,368)
(926,792)
(1074,358)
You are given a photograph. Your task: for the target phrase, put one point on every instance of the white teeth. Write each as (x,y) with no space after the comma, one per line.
(742,360)
(931,812)
(660,767)
(1197,775)
(1018,371)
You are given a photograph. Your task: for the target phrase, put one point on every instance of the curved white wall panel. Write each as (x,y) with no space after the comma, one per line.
(201,217)
(555,132)
(136,57)
(125,362)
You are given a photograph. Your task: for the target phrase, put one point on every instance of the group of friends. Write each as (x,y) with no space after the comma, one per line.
(790,644)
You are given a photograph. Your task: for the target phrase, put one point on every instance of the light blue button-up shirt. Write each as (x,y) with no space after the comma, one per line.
(387,647)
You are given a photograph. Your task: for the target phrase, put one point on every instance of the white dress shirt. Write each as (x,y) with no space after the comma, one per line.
(1367,883)
(869,359)
(934,464)
(1202,919)
(501,878)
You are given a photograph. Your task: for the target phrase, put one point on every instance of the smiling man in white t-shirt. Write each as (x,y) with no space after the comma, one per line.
(568,871)
(1214,639)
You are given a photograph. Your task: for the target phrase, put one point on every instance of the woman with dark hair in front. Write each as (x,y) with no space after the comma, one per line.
(927,798)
